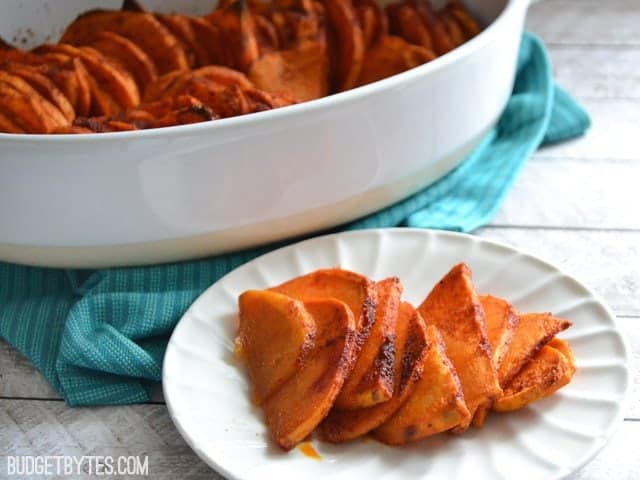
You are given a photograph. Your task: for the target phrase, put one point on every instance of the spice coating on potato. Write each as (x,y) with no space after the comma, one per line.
(297,408)
(435,405)
(411,348)
(534,330)
(547,371)
(372,379)
(454,308)
(274,336)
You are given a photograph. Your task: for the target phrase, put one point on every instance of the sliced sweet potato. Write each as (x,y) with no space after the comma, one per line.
(405,22)
(180,27)
(235,23)
(436,403)
(454,308)
(371,380)
(349,43)
(411,348)
(109,77)
(391,55)
(563,347)
(534,330)
(72,129)
(128,55)
(44,86)
(466,22)
(357,291)
(142,28)
(7,125)
(210,39)
(297,408)
(501,320)
(545,373)
(31,111)
(301,73)
(372,19)
(437,30)
(452,27)
(274,336)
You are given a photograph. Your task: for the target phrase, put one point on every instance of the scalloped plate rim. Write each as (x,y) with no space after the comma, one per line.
(599,442)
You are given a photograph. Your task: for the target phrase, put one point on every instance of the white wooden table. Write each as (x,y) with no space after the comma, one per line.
(576,204)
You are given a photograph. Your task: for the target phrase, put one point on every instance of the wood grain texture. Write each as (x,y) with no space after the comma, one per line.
(613,134)
(586,22)
(571,193)
(596,72)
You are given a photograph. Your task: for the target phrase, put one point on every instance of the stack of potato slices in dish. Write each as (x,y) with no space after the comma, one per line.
(338,353)
(131,69)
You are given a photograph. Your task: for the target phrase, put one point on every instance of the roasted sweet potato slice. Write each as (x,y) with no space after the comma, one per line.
(454,308)
(180,27)
(392,55)
(411,349)
(301,73)
(436,403)
(405,22)
(7,125)
(534,330)
(109,77)
(27,108)
(371,380)
(466,22)
(373,21)
(211,40)
(235,23)
(142,28)
(545,373)
(501,320)
(274,336)
(349,42)
(297,408)
(357,291)
(128,55)
(437,30)
(452,27)
(44,86)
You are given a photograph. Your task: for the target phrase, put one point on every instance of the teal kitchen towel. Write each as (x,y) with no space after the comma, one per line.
(99,336)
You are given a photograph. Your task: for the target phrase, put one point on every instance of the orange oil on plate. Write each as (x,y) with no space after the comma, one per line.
(308,451)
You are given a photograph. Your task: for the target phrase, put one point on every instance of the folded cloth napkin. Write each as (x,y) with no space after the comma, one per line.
(99,336)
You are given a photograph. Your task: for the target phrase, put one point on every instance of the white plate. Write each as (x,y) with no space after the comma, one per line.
(207,392)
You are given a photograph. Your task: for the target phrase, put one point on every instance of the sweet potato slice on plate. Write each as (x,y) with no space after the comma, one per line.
(373,21)
(392,55)
(372,381)
(44,86)
(545,373)
(128,55)
(436,403)
(501,319)
(142,28)
(534,330)
(452,27)
(301,73)
(454,307)
(297,408)
(274,336)
(349,42)
(411,349)
(357,291)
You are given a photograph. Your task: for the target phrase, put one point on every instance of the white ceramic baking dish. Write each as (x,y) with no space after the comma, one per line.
(182,192)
